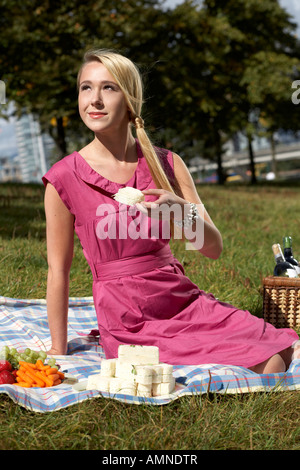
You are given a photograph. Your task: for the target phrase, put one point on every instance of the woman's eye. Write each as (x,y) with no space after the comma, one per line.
(109,87)
(84,87)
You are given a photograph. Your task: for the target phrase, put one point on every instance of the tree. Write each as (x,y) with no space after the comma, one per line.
(46,41)
(268,61)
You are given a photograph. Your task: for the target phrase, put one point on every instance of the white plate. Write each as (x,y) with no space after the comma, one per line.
(80,386)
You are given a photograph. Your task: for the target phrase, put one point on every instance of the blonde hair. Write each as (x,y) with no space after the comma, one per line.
(128,77)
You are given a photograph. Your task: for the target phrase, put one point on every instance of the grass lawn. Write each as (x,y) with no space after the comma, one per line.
(251,219)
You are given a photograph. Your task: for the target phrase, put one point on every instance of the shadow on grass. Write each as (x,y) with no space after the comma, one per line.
(22,211)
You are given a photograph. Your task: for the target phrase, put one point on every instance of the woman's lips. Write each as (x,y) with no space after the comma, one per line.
(96,115)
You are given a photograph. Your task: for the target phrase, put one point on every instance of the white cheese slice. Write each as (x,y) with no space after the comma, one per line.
(102,383)
(91,382)
(163,388)
(108,367)
(124,386)
(138,355)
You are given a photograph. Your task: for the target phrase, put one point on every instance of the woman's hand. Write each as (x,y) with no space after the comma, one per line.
(56,352)
(167,205)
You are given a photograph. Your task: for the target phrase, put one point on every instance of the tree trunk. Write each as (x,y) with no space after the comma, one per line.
(219,152)
(252,163)
(273,153)
(60,136)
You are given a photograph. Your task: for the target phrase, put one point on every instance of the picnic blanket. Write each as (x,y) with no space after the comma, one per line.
(23,324)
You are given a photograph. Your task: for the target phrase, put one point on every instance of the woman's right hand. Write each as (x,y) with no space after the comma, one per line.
(57,352)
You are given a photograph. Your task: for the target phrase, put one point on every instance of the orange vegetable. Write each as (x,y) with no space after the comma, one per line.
(23,384)
(35,378)
(47,380)
(39,364)
(25,377)
(38,375)
(27,365)
(52,370)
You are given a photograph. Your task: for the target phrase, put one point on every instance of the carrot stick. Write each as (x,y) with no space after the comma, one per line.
(46,380)
(27,364)
(53,377)
(57,382)
(23,384)
(36,378)
(61,374)
(52,370)
(39,364)
(25,377)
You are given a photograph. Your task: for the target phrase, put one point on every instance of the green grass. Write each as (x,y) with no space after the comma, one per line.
(250,219)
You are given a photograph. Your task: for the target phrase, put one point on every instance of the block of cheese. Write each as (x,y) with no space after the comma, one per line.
(120,385)
(138,355)
(103,384)
(163,388)
(108,367)
(143,375)
(124,369)
(129,196)
(139,373)
(136,371)
(143,390)
(96,382)
(157,374)
(91,382)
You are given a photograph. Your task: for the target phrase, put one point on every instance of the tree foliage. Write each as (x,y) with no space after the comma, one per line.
(208,66)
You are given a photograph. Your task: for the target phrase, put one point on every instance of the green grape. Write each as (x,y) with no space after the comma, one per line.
(34,355)
(27,351)
(51,361)
(5,355)
(42,355)
(13,351)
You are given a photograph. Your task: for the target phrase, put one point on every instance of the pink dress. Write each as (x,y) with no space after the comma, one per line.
(141,293)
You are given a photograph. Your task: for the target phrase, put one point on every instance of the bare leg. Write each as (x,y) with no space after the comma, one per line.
(291,353)
(272,365)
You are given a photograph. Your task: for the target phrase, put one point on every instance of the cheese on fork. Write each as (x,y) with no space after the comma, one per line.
(129,196)
(138,355)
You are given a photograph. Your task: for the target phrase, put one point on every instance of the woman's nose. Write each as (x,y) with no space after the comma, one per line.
(97,98)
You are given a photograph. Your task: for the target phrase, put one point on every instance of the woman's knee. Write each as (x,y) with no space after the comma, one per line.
(274,364)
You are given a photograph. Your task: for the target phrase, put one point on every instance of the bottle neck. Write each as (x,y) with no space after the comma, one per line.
(279,259)
(288,253)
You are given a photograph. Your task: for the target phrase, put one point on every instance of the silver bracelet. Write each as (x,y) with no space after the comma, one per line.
(190,218)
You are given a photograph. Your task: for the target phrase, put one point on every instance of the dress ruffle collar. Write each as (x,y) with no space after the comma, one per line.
(140,179)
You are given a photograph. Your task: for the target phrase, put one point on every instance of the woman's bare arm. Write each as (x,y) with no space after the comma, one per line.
(60,244)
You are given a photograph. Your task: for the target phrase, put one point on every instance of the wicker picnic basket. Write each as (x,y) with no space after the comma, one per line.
(281,301)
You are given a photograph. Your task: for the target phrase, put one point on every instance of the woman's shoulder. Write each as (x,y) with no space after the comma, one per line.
(63,165)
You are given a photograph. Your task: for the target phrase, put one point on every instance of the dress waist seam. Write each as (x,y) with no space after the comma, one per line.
(133,265)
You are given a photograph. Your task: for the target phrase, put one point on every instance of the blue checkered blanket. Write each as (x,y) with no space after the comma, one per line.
(23,324)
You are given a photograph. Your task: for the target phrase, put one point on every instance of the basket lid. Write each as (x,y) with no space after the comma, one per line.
(281,281)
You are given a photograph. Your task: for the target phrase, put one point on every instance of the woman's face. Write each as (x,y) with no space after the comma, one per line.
(102,105)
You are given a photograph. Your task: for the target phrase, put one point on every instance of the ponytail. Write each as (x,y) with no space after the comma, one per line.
(157,172)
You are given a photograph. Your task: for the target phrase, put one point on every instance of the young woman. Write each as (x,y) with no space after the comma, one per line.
(141,293)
